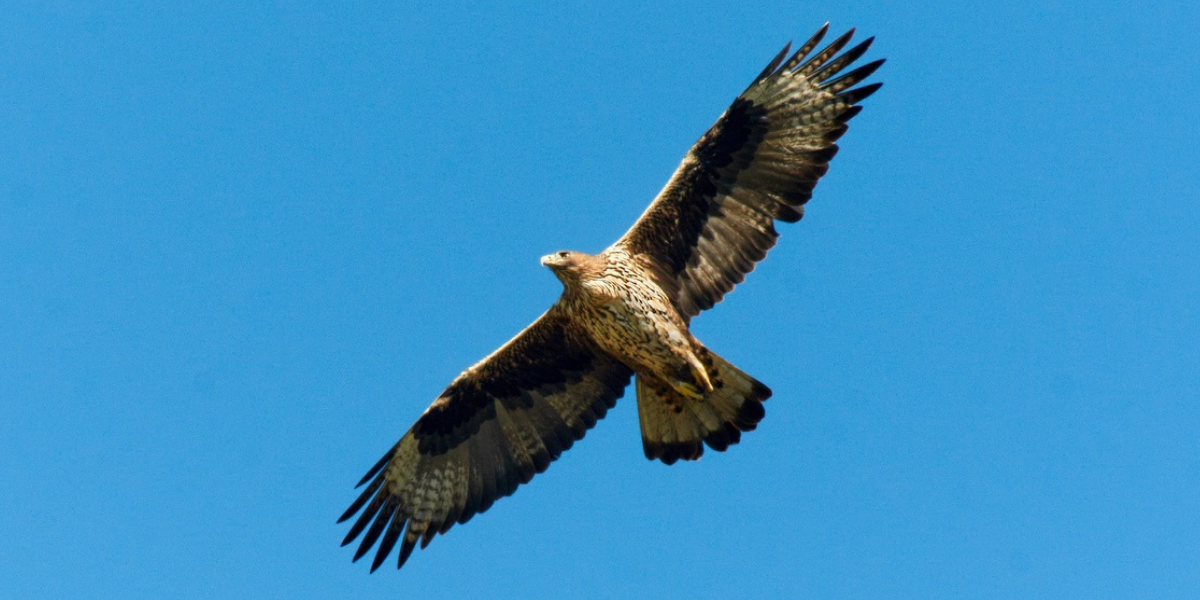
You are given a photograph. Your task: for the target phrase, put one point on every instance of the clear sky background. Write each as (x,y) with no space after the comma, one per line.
(242,247)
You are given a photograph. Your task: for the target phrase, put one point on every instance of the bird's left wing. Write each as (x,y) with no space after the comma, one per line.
(497,425)
(716,216)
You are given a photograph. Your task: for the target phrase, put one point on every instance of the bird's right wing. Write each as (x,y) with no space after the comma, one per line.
(759,163)
(497,425)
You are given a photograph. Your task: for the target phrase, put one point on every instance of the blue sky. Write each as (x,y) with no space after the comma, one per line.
(243,247)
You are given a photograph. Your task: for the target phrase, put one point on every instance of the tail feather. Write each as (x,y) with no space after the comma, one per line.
(676,427)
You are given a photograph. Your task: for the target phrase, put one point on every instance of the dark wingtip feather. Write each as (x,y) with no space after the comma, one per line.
(824,155)
(361,500)
(378,466)
(406,550)
(824,55)
(841,62)
(853,77)
(846,116)
(857,95)
(428,537)
(774,63)
(381,521)
(363,519)
(802,52)
(379,558)
(839,43)
(388,541)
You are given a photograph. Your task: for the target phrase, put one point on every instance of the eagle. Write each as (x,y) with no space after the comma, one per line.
(624,315)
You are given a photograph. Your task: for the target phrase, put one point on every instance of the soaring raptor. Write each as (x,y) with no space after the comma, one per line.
(624,313)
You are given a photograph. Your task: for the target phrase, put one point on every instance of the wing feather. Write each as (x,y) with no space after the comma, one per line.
(758,164)
(497,425)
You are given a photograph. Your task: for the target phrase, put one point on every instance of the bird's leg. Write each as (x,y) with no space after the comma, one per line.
(699,373)
(699,385)
(687,389)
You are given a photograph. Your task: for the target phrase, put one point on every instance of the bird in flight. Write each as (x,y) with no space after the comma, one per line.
(624,314)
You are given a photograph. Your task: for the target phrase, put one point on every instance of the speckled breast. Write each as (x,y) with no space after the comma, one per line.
(633,320)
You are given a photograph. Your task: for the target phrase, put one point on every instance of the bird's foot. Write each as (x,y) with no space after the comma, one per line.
(687,390)
(701,377)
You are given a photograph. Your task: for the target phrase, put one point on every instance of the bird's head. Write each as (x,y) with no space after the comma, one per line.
(558,260)
(571,266)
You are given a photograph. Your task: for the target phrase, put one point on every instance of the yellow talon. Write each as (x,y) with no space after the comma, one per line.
(700,374)
(687,390)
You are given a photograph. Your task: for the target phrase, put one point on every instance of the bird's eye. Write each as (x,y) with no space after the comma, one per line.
(563,254)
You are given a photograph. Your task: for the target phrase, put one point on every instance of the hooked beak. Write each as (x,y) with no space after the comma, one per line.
(546,260)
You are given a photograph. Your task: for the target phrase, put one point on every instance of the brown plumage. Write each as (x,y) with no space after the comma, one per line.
(625,312)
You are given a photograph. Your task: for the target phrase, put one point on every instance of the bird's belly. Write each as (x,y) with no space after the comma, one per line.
(646,340)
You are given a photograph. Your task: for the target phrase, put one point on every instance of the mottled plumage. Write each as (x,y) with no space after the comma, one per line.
(625,312)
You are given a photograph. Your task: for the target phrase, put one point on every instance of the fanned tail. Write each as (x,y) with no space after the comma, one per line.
(675,427)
